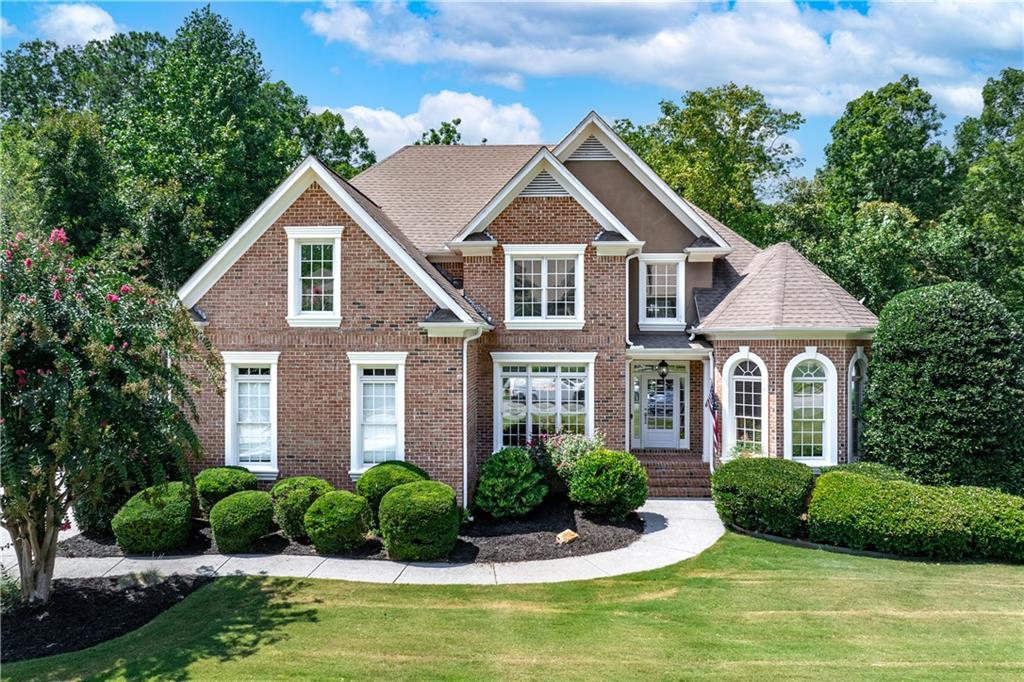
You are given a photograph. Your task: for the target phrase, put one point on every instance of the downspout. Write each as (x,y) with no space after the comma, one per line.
(629,378)
(465,410)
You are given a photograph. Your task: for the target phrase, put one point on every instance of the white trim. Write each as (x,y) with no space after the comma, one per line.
(541,161)
(596,126)
(451,329)
(728,416)
(705,254)
(498,359)
(313,234)
(646,324)
(858,355)
(233,360)
(681,373)
(830,436)
(473,248)
(641,353)
(298,181)
(544,252)
(358,361)
(774,332)
(708,428)
(616,248)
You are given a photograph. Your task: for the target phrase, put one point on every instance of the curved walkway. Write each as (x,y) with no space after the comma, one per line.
(674,530)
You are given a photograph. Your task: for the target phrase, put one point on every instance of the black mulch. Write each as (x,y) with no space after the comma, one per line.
(482,540)
(86,611)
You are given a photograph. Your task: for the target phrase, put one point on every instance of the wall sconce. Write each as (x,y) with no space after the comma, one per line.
(662,369)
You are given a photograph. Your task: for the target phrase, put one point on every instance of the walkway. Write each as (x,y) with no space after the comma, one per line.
(674,530)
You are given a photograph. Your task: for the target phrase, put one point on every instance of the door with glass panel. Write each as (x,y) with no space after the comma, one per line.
(660,410)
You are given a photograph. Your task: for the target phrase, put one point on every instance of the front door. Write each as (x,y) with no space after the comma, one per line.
(660,410)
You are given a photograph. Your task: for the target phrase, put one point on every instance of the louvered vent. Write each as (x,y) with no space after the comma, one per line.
(544,185)
(592,150)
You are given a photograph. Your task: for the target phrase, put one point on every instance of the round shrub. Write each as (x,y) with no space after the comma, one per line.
(947,383)
(292,497)
(565,450)
(881,472)
(241,519)
(338,521)
(898,517)
(419,521)
(608,483)
(216,483)
(156,519)
(510,485)
(376,481)
(763,494)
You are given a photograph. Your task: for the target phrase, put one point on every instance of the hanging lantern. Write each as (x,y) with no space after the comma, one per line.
(662,369)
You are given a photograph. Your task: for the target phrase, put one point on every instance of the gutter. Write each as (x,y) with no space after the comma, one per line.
(465,409)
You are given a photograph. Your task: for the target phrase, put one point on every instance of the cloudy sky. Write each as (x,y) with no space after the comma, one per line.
(528,72)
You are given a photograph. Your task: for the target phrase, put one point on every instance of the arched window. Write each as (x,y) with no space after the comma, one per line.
(811,409)
(858,383)
(744,402)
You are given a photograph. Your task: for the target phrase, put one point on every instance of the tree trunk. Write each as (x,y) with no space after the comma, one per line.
(35,545)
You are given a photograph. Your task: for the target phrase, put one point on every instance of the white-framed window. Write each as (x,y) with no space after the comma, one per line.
(858,375)
(542,394)
(377,397)
(544,286)
(314,273)
(810,409)
(662,301)
(250,411)
(745,399)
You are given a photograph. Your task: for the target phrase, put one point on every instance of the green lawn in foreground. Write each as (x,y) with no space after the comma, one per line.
(744,609)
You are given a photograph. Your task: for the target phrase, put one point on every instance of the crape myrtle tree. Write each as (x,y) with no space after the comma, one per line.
(98,369)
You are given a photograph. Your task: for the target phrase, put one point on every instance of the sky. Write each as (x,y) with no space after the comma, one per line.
(529,72)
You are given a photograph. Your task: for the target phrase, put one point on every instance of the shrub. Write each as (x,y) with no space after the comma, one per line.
(216,483)
(947,383)
(240,519)
(871,470)
(337,521)
(419,521)
(510,485)
(608,483)
(156,519)
(94,513)
(566,449)
(899,517)
(292,497)
(763,494)
(376,481)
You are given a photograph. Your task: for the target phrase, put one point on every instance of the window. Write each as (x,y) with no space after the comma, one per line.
(810,409)
(544,286)
(250,410)
(662,305)
(378,409)
(748,407)
(542,394)
(314,263)
(858,384)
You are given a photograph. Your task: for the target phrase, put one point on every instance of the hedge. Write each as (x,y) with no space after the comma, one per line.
(898,517)
(510,484)
(241,519)
(608,483)
(337,522)
(157,519)
(292,497)
(216,483)
(870,469)
(376,481)
(419,521)
(763,494)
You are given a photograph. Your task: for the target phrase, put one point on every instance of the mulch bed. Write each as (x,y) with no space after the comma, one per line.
(86,611)
(483,540)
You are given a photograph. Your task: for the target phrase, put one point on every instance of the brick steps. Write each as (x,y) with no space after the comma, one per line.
(674,474)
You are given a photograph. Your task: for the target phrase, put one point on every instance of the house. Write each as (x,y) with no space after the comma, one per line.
(452,300)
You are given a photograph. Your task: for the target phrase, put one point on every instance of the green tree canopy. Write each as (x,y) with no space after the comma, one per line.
(346,151)
(446,133)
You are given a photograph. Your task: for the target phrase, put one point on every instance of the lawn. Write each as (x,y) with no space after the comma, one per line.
(746,608)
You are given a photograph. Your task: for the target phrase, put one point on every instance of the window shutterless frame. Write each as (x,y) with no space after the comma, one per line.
(652,269)
(374,360)
(233,362)
(830,431)
(320,236)
(545,255)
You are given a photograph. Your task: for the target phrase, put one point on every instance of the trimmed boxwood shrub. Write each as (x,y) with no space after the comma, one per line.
(338,521)
(510,485)
(292,497)
(156,519)
(947,383)
(376,481)
(216,483)
(608,483)
(898,517)
(763,494)
(419,521)
(870,469)
(241,519)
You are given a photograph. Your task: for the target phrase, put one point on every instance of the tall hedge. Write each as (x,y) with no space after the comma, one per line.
(944,403)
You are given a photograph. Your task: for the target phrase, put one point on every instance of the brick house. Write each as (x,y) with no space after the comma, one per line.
(452,300)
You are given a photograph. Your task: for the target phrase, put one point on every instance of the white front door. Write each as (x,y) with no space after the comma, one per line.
(660,410)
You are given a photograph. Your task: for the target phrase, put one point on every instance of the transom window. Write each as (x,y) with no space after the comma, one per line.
(544,290)
(378,409)
(661,292)
(748,409)
(808,409)
(314,264)
(250,429)
(317,278)
(542,399)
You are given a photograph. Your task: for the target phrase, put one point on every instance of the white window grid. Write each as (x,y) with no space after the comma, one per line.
(808,410)
(544,287)
(661,291)
(379,414)
(316,276)
(252,415)
(542,400)
(748,411)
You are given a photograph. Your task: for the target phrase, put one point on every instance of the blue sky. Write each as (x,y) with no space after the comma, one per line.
(528,72)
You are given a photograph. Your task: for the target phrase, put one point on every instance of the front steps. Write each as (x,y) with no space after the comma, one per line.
(671,473)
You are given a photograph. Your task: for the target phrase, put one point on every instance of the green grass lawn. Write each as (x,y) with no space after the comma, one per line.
(744,609)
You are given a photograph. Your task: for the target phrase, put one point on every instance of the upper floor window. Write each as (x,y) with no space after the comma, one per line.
(662,305)
(544,286)
(314,264)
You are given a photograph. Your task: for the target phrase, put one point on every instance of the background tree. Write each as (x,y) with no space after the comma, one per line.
(346,151)
(724,148)
(446,133)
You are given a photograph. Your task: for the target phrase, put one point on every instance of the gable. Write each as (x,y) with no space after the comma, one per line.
(591,149)
(544,185)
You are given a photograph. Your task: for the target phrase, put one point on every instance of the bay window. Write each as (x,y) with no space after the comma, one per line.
(544,286)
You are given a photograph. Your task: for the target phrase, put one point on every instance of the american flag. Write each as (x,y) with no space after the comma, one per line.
(716,422)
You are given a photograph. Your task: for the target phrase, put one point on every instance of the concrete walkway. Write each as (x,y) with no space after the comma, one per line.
(674,530)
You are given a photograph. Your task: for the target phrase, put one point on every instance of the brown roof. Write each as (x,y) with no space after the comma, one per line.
(780,288)
(432,191)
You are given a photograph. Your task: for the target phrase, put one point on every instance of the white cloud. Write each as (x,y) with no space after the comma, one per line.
(801,56)
(481,119)
(75,24)
(7,28)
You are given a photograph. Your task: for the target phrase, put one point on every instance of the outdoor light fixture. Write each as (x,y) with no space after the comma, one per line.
(662,369)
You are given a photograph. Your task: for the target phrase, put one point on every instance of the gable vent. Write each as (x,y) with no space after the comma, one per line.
(591,150)
(544,185)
